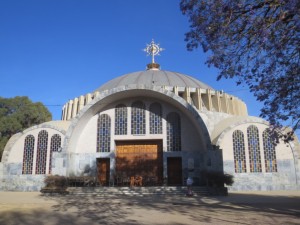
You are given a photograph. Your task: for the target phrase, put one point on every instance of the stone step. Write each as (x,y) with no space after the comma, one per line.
(164,190)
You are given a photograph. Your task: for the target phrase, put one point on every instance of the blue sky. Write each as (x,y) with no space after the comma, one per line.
(56,50)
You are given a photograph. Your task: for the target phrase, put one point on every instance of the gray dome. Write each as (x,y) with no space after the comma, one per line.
(154,77)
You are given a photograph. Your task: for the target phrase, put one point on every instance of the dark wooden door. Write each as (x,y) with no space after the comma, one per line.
(142,158)
(174,167)
(103,168)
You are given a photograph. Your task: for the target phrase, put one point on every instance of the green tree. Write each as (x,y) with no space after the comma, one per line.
(17,114)
(258,43)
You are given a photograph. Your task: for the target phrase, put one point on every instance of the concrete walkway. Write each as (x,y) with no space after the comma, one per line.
(238,208)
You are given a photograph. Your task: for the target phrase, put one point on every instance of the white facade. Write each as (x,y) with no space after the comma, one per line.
(208,120)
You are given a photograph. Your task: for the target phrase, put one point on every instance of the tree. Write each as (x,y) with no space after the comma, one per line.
(17,114)
(258,43)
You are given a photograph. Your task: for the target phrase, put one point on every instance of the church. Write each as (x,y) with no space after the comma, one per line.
(160,125)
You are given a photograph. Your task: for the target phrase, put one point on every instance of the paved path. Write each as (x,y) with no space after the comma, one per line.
(31,208)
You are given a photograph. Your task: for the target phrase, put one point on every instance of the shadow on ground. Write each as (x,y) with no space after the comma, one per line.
(234,209)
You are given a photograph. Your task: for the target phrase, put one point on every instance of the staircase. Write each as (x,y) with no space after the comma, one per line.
(136,191)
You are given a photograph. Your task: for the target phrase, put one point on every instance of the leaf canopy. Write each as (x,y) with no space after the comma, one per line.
(17,114)
(257,42)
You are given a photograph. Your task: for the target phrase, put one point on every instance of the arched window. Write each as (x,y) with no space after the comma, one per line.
(239,151)
(41,157)
(155,119)
(103,136)
(28,155)
(120,120)
(173,132)
(54,146)
(269,153)
(138,121)
(254,149)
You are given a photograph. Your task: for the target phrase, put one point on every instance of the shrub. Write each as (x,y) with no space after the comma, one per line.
(55,181)
(216,178)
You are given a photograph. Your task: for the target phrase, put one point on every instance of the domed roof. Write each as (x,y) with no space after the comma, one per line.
(154,77)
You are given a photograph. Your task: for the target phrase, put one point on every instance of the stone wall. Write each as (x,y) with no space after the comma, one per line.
(284,179)
(84,164)
(59,163)
(14,180)
(23,182)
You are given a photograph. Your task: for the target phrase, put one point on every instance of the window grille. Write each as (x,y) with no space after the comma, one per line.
(41,157)
(103,136)
(173,132)
(239,151)
(269,153)
(54,146)
(155,119)
(138,121)
(254,149)
(28,155)
(120,120)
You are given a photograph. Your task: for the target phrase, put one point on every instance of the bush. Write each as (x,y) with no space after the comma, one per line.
(55,181)
(215,178)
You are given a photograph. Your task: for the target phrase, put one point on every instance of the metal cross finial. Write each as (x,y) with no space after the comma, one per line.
(153,49)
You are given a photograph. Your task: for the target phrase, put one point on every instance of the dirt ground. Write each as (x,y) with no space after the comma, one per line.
(31,208)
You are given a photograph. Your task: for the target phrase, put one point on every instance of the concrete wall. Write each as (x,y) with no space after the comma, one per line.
(12,179)
(88,137)
(84,154)
(287,164)
(17,151)
(202,99)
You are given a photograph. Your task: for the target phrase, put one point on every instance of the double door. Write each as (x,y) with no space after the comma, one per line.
(140,158)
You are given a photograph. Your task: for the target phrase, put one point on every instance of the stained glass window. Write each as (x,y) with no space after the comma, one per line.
(155,119)
(254,149)
(173,132)
(138,121)
(54,146)
(269,153)
(239,151)
(28,155)
(41,157)
(121,120)
(103,136)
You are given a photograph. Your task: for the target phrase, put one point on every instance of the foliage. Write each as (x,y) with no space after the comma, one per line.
(55,181)
(217,178)
(258,43)
(55,185)
(17,114)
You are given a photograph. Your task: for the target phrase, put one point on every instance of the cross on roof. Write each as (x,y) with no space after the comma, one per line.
(153,49)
